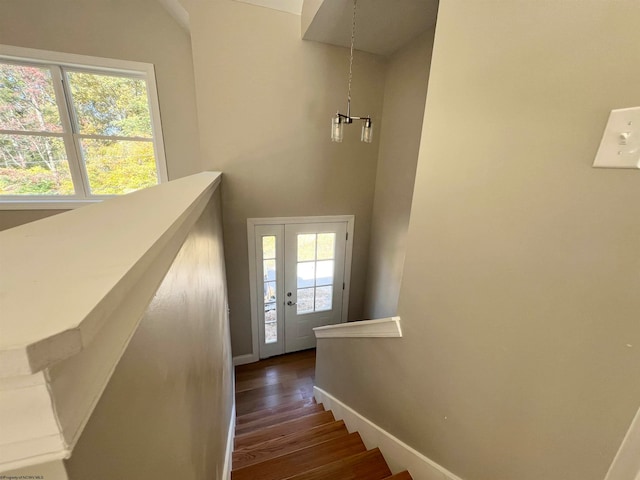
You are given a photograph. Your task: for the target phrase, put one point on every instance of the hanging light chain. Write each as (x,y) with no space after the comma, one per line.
(353,39)
(338,122)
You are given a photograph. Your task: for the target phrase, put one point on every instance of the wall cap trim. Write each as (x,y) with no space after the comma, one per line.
(64,321)
(380,328)
(101,268)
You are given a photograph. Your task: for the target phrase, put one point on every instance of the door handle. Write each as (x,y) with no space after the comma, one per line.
(290,303)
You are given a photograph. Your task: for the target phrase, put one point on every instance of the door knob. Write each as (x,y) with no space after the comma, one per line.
(290,303)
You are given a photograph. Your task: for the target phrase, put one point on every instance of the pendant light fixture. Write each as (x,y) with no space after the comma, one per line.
(338,122)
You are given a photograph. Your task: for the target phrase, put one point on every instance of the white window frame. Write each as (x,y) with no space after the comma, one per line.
(59,62)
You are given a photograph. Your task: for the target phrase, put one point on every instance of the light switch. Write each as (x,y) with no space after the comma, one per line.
(620,146)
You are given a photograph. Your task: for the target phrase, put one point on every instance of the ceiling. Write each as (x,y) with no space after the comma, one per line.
(382,26)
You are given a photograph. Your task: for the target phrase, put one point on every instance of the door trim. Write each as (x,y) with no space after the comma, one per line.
(252,223)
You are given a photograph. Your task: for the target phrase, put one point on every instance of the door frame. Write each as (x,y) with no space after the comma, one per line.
(252,223)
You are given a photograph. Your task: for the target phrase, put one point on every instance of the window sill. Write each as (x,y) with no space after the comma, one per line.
(46,204)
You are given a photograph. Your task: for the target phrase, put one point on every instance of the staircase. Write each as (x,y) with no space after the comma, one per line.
(301,441)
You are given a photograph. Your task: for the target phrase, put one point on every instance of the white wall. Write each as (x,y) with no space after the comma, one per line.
(265,100)
(519,299)
(405,92)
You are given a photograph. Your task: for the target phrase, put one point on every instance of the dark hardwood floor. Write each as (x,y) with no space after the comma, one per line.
(277,381)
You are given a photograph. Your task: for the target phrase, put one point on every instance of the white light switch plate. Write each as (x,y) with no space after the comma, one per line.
(620,146)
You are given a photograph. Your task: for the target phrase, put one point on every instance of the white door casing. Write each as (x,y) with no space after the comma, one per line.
(317,280)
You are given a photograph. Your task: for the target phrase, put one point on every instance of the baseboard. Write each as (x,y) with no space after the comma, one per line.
(244,359)
(626,464)
(226,469)
(399,455)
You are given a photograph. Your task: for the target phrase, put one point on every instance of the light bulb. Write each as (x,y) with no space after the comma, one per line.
(337,129)
(367,131)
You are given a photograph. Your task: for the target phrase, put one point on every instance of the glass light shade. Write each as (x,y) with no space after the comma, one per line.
(367,132)
(337,129)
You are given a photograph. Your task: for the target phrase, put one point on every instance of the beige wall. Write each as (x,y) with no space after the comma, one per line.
(54,470)
(403,110)
(138,30)
(166,410)
(519,300)
(265,100)
(13,218)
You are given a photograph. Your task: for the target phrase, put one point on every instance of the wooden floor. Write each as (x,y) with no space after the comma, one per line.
(276,381)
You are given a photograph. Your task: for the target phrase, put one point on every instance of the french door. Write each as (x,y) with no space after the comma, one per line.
(299,281)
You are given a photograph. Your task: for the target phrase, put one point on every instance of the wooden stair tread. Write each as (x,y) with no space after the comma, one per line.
(282,429)
(249,405)
(287,444)
(400,476)
(285,407)
(368,465)
(283,434)
(302,460)
(273,419)
(282,388)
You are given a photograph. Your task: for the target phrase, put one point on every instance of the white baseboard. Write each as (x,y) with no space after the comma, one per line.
(399,455)
(244,359)
(626,464)
(226,469)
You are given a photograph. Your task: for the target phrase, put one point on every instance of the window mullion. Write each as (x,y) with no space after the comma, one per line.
(72,147)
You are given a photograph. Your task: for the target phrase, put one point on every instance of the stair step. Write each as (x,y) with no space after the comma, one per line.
(250,417)
(302,460)
(287,444)
(273,419)
(368,465)
(252,405)
(282,429)
(282,387)
(400,476)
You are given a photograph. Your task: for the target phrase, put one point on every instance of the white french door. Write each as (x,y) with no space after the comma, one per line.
(300,280)
(313,280)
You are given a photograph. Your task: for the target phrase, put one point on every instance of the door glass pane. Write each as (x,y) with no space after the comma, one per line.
(269,247)
(269,270)
(269,292)
(306,274)
(324,298)
(326,246)
(27,99)
(270,313)
(305,300)
(117,166)
(110,105)
(306,247)
(270,323)
(31,165)
(324,272)
(270,289)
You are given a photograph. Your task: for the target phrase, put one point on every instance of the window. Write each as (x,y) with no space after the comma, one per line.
(75,128)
